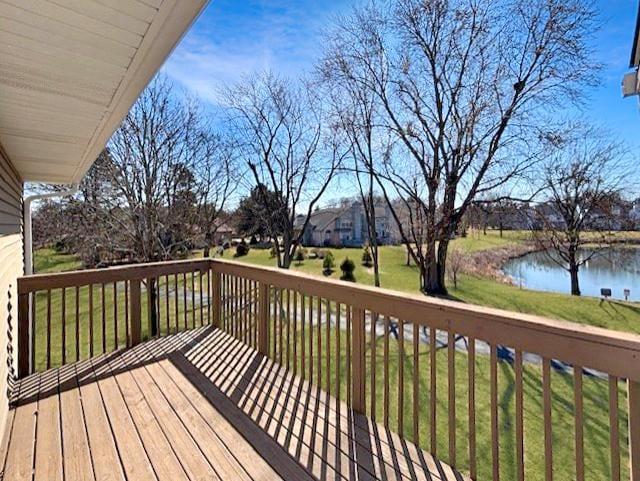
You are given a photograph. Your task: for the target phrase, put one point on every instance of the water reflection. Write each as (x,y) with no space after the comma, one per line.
(615,268)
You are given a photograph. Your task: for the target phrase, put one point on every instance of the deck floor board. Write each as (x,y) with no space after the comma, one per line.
(197,405)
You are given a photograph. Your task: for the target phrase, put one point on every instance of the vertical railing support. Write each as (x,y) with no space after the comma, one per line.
(24,347)
(216,285)
(135,311)
(633,398)
(263,319)
(358,370)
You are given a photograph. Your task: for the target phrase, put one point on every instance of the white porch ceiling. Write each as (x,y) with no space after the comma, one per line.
(69,72)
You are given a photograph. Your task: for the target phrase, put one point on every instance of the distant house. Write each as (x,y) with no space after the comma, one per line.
(634,214)
(547,215)
(346,225)
(223,233)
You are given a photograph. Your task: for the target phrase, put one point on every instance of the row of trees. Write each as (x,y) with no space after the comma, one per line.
(432,105)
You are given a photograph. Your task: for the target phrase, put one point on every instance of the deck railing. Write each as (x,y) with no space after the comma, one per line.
(497,395)
(70,316)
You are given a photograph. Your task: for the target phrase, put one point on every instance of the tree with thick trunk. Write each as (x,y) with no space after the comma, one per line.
(466,89)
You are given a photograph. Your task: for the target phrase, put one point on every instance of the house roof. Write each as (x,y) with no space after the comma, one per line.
(70,71)
(322,218)
(635,48)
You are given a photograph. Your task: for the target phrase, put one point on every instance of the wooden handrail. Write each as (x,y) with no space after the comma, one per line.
(125,300)
(609,351)
(614,352)
(38,282)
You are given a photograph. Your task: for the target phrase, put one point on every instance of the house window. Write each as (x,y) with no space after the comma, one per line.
(344,223)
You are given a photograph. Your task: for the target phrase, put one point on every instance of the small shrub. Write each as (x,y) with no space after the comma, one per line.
(242,249)
(273,252)
(348,267)
(60,246)
(253,241)
(367,259)
(300,255)
(328,264)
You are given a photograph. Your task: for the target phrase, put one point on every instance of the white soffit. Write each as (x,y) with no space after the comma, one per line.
(69,72)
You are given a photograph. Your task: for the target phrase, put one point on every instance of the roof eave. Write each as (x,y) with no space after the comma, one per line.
(635,48)
(173,21)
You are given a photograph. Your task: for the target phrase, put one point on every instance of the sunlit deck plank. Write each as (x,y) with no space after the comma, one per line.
(48,451)
(77,462)
(104,454)
(218,440)
(134,458)
(21,440)
(192,460)
(158,448)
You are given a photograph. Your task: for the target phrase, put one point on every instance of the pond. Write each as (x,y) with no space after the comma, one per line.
(615,268)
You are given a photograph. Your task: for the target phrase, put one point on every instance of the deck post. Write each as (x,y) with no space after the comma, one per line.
(633,398)
(136,323)
(216,285)
(263,319)
(358,369)
(24,348)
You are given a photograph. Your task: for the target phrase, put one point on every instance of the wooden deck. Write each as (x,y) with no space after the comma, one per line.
(196,405)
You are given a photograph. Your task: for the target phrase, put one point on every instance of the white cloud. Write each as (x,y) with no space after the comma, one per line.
(229,41)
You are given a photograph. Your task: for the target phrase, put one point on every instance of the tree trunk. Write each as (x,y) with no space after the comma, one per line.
(376,266)
(575,284)
(207,245)
(443,247)
(286,257)
(433,273)
(153,306)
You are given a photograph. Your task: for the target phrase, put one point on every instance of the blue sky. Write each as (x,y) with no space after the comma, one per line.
(232,38)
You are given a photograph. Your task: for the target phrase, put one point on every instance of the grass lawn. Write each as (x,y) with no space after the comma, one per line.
(595,395)
(396,275)
(48,260)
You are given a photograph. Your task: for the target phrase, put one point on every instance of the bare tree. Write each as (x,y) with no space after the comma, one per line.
(154,156)
(355,112)
(218,179)
(291,153)
(582,183)
(464,86)
(456,260)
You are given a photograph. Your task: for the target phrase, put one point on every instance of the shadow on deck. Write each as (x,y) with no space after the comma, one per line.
(196,405)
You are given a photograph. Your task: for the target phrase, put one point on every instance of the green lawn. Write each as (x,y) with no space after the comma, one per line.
(395,274)
(595,395)
(48,260)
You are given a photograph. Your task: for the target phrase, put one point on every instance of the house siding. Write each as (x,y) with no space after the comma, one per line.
(11,267)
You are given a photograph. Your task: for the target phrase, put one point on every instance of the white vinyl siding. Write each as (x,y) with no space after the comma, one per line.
(11,267)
